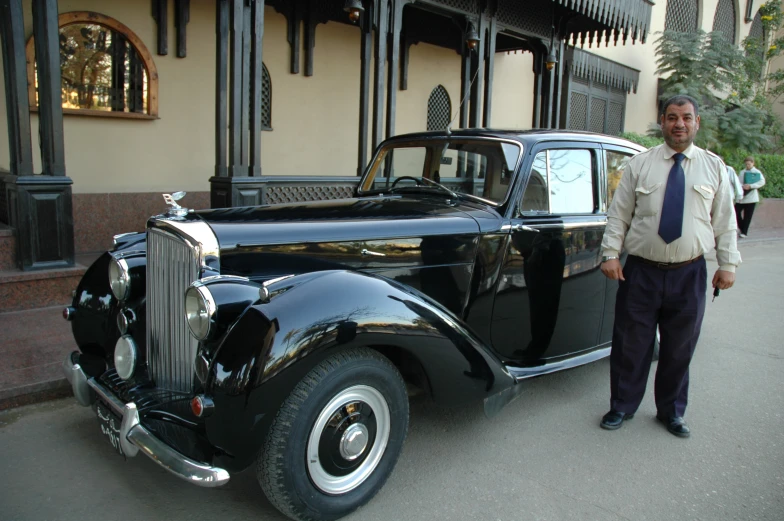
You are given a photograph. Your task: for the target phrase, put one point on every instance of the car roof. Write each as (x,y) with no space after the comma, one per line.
(522,136)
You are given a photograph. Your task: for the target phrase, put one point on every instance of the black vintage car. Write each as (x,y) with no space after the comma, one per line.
(286,336)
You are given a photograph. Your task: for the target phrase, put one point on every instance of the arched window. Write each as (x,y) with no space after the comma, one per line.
(681,16)
(756,30)
(266,99)
(105,69)
(724,19)
(439,109)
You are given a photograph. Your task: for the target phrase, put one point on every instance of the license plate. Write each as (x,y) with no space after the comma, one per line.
(110,426)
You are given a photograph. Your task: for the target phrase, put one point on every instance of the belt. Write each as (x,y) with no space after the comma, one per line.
(665,265)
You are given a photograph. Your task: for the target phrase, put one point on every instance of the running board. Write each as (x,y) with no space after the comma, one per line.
(494,404)
(522,373)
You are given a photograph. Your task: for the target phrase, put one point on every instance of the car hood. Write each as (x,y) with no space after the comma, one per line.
(339,220)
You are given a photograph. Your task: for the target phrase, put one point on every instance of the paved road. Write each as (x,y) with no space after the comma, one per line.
(543,458)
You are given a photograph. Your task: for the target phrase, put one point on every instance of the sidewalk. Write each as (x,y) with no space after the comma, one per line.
(35,342)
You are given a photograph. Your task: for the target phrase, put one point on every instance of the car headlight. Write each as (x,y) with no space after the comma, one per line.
(125,357)
(199,311)
(119,279)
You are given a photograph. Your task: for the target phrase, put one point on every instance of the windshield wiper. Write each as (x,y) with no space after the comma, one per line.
(436,183)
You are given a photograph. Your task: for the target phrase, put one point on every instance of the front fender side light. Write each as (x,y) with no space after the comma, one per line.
(200,311)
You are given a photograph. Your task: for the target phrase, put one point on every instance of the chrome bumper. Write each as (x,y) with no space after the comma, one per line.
(134,437)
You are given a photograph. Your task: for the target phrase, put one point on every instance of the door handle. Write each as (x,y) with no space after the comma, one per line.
(523,228)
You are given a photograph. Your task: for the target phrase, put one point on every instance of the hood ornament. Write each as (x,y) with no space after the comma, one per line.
(175,210)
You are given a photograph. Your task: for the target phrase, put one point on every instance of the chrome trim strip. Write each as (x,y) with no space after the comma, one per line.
(565,226)
(583,224)
(522,373)
(78,380)
(135,437)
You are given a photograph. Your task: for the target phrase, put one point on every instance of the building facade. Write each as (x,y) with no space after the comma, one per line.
(242,102)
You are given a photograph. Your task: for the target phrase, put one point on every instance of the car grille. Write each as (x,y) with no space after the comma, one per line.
(172,264)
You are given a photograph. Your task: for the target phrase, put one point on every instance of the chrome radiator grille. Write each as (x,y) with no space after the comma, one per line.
(172,264)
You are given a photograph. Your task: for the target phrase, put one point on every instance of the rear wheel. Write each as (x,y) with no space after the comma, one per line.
(336,438)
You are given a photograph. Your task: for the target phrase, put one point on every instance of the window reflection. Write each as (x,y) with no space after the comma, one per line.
(101,70)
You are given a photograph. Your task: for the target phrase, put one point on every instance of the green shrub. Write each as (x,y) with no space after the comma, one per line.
(642,139)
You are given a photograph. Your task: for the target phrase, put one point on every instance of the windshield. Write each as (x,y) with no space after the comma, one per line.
(478,168)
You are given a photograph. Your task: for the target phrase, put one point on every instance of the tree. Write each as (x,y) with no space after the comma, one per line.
(731,83)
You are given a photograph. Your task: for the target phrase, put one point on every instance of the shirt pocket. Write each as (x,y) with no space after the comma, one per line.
(647,204)
(702,202)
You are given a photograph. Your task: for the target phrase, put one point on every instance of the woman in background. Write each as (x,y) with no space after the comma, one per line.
(751,180)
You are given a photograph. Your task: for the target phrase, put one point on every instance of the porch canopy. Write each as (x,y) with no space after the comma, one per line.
(613,18)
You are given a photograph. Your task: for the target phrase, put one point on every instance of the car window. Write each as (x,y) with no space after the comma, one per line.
(561,181)
(483,168)
(535,198)
(616,163)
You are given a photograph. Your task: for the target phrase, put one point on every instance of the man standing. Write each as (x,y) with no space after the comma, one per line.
(673,204)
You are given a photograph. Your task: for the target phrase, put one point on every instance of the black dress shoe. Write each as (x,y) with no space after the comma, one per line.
(613,420)
(675,425)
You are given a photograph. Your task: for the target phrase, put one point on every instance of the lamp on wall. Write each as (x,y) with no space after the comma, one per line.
(354,9)
(749,11)
(471,36)
(551,59)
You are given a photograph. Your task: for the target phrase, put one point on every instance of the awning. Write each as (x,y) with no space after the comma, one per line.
(627,18)
(589,66)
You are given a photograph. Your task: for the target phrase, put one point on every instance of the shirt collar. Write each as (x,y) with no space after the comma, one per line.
(689,152)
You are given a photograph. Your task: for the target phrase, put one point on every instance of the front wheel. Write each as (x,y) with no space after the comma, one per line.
(336,438)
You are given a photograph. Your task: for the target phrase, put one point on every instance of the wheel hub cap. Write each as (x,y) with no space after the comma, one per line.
(354,441)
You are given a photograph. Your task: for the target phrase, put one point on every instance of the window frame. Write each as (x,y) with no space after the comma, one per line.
(90,17)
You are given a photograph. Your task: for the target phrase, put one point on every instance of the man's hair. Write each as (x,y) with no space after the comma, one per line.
(680,100)
(748,158)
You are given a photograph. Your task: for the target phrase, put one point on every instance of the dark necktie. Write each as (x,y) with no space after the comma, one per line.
(671,222)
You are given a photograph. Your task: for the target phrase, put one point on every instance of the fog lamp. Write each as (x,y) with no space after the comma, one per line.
(125,357)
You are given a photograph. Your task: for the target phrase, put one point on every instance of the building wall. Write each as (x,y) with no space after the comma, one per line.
(315,119)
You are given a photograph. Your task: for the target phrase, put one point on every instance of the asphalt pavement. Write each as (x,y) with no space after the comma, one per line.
(543,457)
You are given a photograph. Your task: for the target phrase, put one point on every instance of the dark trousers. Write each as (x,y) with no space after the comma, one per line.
(743,213)
(675,301)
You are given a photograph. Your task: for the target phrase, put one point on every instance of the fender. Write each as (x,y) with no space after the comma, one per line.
(274,344)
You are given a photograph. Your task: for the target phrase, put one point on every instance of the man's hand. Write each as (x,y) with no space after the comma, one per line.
(747,187)
(613,271)
(722,279)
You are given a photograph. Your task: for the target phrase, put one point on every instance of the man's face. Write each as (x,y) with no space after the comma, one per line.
(679,126)
(749,165)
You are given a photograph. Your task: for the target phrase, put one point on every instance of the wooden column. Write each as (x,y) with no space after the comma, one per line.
(465,86)
(477,73)
(396,22)
(221,86)
(256,74)
(50,98)
(39,206)
(239,75)
(489,70)
(379,73)
(366,42)
(15,75)
(537,69)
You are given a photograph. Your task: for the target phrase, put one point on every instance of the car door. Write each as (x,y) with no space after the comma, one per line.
(551,291)
(615,160)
